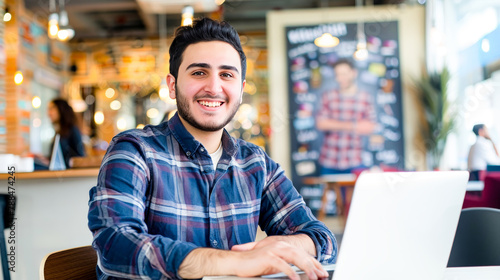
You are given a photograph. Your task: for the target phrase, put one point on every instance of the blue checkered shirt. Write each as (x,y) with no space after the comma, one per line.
(158,197)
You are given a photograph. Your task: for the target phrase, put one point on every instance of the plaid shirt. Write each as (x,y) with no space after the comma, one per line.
(158,197)
(342,149)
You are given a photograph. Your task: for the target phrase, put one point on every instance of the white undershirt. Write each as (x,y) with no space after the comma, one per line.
(481,154)
(216,156)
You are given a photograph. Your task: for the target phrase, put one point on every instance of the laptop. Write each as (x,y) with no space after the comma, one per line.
(401,225)
(56,159)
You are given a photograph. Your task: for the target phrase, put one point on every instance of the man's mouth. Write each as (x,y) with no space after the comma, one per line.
(211,104)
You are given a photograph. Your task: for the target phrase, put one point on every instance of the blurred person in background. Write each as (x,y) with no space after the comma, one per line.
(482,153)
(346,115)
(63,120)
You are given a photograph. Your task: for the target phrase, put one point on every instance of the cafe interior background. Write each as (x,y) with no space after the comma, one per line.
(111,59)
(112,69)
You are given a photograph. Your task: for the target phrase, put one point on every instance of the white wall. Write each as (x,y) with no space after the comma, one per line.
(51,216)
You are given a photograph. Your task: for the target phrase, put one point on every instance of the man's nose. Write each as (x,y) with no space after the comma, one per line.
(213,85)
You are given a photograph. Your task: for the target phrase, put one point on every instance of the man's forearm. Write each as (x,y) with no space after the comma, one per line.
(331,124)
(207,262)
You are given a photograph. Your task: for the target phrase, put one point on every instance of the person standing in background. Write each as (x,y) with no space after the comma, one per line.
(63,120)
(345,115)
(482,153)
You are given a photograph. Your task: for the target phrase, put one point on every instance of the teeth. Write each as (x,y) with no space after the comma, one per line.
(210,104)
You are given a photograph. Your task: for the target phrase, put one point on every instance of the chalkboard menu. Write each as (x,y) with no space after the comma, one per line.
(311,75)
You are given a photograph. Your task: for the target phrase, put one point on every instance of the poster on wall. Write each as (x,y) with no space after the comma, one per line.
(345,106)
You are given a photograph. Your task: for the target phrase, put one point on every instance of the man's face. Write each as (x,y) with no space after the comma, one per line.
(208,87)
(344,75)
(483,132)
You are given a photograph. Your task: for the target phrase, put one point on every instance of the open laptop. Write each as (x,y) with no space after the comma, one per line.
(401,225)
(56,159)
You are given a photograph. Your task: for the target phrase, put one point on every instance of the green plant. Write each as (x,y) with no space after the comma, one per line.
(439,119)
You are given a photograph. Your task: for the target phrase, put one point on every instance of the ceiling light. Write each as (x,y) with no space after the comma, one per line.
(65,32)
(152,113)
(187,15)
(121,124)
(53,27)
(115,105)
(7,16)
(163,92)
(110,93)
(99,117)
(36,102)
(326,41)
(361,52)
(18,77)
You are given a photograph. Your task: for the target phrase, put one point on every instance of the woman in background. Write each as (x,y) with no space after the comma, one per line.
(63,119)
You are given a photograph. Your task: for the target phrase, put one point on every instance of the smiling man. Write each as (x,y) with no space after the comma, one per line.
(184,199)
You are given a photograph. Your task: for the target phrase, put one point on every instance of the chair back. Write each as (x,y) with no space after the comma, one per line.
(491,191)
(76,263)
(7,213)
(477,241)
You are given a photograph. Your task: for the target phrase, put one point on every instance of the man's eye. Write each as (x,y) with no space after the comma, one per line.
(198,73)
(227,75)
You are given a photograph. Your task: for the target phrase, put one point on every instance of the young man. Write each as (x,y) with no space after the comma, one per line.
(482,153)
(184,199)
(346,114)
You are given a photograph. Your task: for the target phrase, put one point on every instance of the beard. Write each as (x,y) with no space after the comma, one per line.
(184,110)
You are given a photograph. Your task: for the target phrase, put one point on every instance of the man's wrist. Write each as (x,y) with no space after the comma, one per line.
(300,240)
(208,262)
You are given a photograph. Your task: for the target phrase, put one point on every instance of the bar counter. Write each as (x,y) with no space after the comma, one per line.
(51,215)
(69,173)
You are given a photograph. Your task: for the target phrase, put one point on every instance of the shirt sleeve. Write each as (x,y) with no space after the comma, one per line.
(117,210)
(284,212)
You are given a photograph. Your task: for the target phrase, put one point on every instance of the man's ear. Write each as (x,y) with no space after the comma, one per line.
(171,86)
(242,90)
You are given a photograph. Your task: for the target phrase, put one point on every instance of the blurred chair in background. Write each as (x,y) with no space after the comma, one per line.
(489,197)
(477,240)
(7,210)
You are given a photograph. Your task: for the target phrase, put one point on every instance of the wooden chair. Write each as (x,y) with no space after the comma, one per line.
(76,263)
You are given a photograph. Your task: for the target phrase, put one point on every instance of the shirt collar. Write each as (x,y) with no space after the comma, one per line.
(190,145)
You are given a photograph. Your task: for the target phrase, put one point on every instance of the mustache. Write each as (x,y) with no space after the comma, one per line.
(211,97)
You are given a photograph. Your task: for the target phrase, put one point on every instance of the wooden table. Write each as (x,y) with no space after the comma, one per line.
(334,182)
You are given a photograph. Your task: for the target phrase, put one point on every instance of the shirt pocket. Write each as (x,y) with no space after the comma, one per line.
(245,220)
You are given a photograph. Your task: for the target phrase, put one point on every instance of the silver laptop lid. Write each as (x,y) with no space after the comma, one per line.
(401,225)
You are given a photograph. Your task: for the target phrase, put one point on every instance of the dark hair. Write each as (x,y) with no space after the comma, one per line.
(204,30)
(67,117)
(344,61)
(477,127)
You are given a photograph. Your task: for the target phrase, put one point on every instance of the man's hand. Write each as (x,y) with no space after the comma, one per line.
(273,254)
(282,251)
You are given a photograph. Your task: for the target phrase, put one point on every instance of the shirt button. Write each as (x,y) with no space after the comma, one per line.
(188,153)
(202,150)
(214,243)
